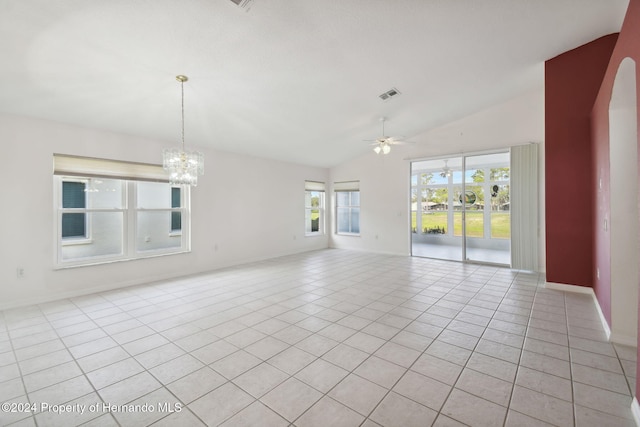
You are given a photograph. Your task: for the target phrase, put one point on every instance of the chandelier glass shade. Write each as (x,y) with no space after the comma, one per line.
(183,166)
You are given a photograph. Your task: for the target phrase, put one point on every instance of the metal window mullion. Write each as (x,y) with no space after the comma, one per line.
(336,216)
(321,224)
(81,210)
(185,222)
(129,227)
(418,189)
(451,221)
(464,208)
(486,187)
(59,231)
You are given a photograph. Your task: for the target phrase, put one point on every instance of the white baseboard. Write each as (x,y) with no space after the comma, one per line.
(635,411)
(147,279)
(569,288)
(624,340)
(585,290)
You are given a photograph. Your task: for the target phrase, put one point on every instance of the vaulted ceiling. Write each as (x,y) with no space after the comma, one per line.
(295,80)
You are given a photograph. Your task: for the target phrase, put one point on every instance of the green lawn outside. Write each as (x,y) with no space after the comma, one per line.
(500,223)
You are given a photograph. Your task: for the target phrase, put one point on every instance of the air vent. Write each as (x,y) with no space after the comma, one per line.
(389,94)
(245,4)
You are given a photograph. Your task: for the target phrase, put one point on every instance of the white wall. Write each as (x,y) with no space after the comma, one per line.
(384,180)
(243,209)
(384,203)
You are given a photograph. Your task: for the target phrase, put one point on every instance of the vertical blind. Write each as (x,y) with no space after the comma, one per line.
(524,207)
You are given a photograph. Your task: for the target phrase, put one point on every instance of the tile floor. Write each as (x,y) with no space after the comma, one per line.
(327,338)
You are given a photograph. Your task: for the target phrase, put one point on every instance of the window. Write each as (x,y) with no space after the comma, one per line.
(74,219)
(347,207)
(176,216)
(104,219)
(438,202)
(314,208)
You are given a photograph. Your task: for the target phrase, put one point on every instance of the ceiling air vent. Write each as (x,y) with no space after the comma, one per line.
(245,4)
(388,94)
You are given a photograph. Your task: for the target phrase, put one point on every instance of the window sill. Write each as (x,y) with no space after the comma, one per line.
(111,260)
(348,234)
(316,234)
(73,242)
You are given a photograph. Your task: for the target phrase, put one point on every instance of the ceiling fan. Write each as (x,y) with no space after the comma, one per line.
(383,143)
(446,170)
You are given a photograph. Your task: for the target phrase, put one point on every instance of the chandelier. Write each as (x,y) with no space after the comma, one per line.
(183,166)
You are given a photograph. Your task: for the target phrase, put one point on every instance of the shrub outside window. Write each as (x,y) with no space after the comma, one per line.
(314,208)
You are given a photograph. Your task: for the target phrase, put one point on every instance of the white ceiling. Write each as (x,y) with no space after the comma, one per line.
(292,80)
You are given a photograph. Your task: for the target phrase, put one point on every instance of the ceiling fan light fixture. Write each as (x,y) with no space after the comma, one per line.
(446,170)
(382,144)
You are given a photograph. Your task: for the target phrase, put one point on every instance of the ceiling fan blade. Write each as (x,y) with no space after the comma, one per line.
(397,140)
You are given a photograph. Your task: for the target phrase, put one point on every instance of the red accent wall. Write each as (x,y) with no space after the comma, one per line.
(628,45)
(572,82)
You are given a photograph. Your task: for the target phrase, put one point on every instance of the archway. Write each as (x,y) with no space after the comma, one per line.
(623,155)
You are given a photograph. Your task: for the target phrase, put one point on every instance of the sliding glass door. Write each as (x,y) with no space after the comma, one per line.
(486,210)
(460,208)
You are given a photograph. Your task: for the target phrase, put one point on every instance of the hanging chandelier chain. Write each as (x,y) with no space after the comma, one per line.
(182,91)
(183,167)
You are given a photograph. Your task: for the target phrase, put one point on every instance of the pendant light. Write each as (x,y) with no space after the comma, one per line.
(183,166)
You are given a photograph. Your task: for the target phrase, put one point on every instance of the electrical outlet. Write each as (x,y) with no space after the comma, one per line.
(20,272)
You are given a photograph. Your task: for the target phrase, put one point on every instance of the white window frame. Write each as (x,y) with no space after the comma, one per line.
(347,187)
(315,187)
(71,168)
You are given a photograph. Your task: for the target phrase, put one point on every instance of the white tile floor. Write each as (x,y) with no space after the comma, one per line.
(327,338)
